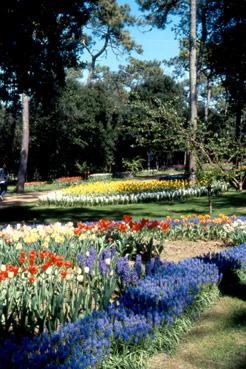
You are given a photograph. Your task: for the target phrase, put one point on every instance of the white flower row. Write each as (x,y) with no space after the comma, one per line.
(237,226)
(59,198)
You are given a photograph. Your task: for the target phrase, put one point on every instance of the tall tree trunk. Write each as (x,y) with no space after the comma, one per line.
(91,70)
(193,87)
(239,138)
(24,144)
(207,105)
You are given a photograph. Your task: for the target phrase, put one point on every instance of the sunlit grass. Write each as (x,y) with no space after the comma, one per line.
(217,341)
(229,203)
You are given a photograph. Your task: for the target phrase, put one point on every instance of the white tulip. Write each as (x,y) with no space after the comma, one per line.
(86,269)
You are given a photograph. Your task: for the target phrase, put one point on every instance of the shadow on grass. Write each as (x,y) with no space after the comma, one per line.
(232,286)
(34,214)
(229,204)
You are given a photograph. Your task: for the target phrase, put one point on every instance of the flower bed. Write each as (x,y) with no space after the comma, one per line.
(125,186)
(69,179)
(87,342)
(125,192)
(75,274)
(155,302)
(51,185)
(232,259)
(144,236)
(43,290)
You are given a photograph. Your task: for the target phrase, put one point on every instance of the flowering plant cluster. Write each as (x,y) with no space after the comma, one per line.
(125,186)
(158,300)
(126,192)
(236,231)
(68,179)
(232,259)
(40,292)
(165,293)
(35,183)
(147,236)
(129,237)
(204,227)
(44,290)
(144,237)
(38,186)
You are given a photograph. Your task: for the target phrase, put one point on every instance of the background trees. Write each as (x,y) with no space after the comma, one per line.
(38,41)
(137,111)
(107,30)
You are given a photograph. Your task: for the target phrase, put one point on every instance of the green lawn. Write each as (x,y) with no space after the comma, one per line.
(229,203)
(217,341)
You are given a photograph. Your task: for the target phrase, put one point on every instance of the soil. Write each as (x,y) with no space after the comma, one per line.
(181,249)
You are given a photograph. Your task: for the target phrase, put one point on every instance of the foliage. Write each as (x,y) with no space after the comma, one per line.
(107,29)
(91,134)
(226,47)
(216,150)
(156,110)
(50,40)
(133,166)
(83,169)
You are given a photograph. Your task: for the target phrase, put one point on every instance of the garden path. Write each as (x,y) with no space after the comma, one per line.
(16,199)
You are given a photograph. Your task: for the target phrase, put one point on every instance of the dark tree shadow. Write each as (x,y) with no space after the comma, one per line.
(231,285)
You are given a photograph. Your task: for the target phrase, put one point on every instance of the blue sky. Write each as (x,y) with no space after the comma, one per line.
(156,44)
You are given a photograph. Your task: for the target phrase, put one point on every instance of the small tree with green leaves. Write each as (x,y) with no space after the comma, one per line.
(208,175)
(134,165)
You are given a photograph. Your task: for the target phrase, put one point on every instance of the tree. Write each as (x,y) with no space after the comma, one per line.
(24,144)
(156,129)
(227,56)
(154,103)
(193,85)
(159,11)
(38,41)
(107,29)
(58,148)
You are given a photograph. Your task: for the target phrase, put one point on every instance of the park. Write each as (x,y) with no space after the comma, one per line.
(123,191)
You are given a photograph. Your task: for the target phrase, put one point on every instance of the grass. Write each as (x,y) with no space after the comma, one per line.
(218,341)
(229,203)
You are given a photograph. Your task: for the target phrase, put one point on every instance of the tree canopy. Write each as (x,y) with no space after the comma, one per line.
(38,41)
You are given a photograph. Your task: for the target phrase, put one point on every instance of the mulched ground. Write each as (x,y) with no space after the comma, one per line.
(181,249)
